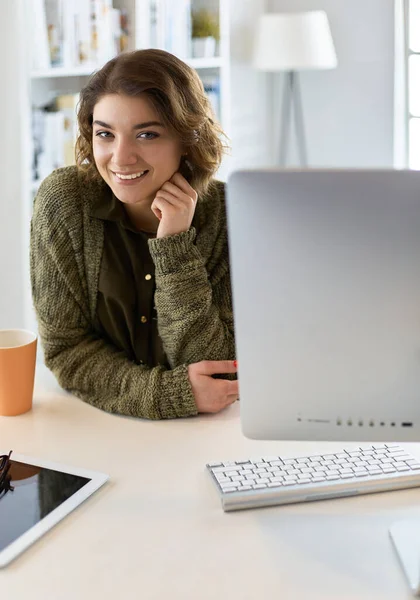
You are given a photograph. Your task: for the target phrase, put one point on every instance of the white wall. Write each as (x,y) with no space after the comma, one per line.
(251,109)
(349,111)
(11,255)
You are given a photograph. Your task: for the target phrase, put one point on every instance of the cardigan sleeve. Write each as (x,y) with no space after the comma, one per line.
(193,293)
(83,362)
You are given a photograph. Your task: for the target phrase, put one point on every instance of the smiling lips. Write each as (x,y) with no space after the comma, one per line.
(130,175)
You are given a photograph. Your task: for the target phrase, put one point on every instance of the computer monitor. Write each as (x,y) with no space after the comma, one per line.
(325,269)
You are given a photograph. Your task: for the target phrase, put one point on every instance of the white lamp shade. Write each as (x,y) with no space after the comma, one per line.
(294,41)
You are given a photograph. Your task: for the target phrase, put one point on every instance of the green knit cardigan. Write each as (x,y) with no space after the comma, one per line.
(192,298)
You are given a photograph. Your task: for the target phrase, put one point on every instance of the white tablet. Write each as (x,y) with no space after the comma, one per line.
(43,493)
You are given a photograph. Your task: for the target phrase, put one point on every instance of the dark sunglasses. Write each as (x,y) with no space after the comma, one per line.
(5,478)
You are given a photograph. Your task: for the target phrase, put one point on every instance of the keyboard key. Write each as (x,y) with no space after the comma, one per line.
(223,479)
(229,469)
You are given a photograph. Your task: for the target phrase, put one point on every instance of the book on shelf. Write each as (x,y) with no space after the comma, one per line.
(212,88)
(169,26)
(37,29)
(54,130)
(177,26)
(67,105)
(75,33)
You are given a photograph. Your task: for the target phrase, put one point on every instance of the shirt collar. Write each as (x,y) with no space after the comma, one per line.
(107,207)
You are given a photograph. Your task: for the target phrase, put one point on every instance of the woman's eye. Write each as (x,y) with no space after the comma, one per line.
(148,135)
(103,134)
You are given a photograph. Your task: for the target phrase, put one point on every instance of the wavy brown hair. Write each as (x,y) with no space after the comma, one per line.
(178,96)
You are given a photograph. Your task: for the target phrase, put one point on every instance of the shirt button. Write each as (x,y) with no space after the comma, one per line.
(148,277)
(143,319)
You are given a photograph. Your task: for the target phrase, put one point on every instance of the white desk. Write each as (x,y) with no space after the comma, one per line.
(154,533)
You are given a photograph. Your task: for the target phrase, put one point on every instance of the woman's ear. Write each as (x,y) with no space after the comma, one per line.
(185,167)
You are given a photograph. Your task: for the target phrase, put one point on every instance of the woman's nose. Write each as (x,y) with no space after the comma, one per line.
(125,153)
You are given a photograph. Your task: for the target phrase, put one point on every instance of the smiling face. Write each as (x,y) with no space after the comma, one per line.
(133,151)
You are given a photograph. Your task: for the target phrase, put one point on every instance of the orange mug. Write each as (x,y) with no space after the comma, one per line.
(17,371)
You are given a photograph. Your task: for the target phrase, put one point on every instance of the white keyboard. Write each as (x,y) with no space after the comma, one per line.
(276,480)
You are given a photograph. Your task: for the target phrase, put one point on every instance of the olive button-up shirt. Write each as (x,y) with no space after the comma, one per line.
(125,313)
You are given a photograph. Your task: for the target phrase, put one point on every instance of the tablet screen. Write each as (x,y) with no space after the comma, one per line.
(37,491)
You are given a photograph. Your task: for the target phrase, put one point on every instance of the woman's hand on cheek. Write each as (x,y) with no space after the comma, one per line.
(174,205)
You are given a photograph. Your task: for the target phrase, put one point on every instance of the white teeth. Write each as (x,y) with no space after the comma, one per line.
(132,176)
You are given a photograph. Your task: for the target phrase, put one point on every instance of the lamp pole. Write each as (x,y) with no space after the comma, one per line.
(292,100)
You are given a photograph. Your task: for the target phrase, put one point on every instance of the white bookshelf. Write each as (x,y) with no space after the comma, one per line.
(52,72)
(42,85)
(216,62)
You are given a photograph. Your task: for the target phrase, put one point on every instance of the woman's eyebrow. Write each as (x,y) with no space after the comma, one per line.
(138,126)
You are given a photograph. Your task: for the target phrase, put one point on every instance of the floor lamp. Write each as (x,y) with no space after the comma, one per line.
(293,42)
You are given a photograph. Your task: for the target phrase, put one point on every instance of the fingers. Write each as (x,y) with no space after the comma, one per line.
(161,204)
(176,197)
(156,210)
(223,403)
(180,181)
(168,197)
(230,388)
(178,191)
(213,367)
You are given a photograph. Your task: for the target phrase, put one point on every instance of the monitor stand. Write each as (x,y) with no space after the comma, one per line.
(405,536)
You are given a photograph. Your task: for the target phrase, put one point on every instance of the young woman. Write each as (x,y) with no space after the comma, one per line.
(129,255)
